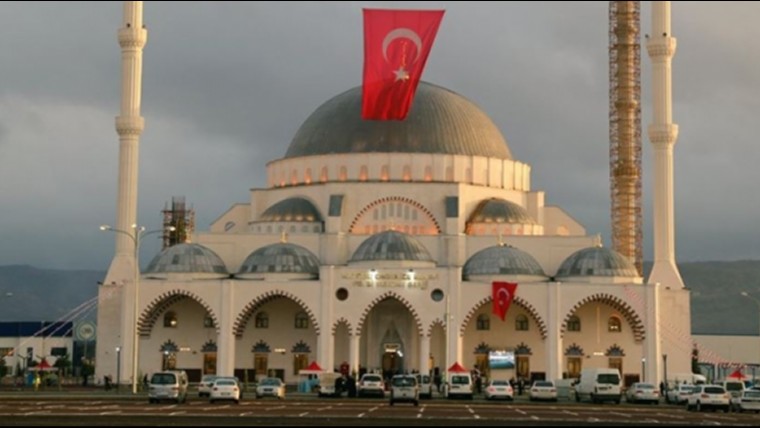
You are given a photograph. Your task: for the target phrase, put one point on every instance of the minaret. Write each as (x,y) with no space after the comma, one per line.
(663,134)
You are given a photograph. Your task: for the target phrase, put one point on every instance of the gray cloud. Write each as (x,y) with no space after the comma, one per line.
(227,84)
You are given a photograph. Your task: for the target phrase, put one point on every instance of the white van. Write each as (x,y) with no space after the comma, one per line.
(599,385)
(168,385)
(459,385)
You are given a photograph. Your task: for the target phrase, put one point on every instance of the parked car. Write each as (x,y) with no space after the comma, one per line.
(679,394)
(225,388)
(641,392)
(371,384)
(749,401)
(204,386)
(499,389)
(404,388)
(426,386)
(272,387)
(598,385)
(709,396)
(168,385)
(543,390)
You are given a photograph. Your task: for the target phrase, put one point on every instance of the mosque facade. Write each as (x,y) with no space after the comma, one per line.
(374,245)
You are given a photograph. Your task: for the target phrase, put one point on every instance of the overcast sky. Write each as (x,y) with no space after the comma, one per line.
(226,86)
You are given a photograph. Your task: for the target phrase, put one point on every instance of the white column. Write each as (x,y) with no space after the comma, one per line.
(353,351)
(424,353)
(453,340)
(663,133)
(652,351)
(325,340)
(225,360)
(553,324)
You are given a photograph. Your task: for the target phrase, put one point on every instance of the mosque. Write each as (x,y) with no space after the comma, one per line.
(375,245)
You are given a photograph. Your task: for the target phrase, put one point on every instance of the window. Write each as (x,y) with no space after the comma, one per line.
(574,324)
(261,363)
(613,325)
(574,365)
(208,322)
(484,322)
(262,320)
(521,323)
(300,362)
(523,366)
(302,320)
(59,351)
(170,320)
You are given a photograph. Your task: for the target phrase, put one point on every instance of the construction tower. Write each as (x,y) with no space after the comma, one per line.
(181,218)
(625,130)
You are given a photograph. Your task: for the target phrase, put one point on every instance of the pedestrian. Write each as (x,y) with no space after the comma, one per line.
(107,382)
(662,389)
(520,386)
(145,382)
(37,382)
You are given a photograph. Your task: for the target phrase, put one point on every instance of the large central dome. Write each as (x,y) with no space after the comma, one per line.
(440,121)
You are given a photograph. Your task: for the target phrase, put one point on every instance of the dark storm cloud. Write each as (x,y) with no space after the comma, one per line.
(227,84)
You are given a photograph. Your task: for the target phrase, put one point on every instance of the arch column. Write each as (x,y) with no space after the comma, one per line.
(353,351)
(225,360)
(553,342)
(326,342)
(424,367)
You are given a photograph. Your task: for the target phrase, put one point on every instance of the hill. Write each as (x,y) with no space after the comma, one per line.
(717,305)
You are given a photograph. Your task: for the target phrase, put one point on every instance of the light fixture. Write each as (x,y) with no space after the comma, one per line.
(410,275)
(373,274)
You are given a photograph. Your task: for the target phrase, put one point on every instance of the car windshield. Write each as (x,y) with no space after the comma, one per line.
(460,380)
(499,382)
(714,390)
(609,379)
(372,378)
(734,386)
(644,386)
(163,379)
(270,381)
(753,394)
(544,383)
(404,381)
(225,382)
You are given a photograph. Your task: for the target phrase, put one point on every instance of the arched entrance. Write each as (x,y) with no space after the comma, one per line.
(389,339)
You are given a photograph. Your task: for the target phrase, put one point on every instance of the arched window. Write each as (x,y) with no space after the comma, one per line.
(302,320)
(208,322)
(521,323)
(614,325)
(342,174)
(574,324)
(484,322)
(262,320)
(323,174)
(363,174)
(170,320)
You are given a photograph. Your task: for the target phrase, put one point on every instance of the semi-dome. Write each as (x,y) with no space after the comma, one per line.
(187,258)
(501,260)
(440,122)
(391,245)
(292,209)
(496,210)
(282,257)
(597,261)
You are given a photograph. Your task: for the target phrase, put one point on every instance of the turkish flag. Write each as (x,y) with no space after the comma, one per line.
(396,47)
(502,293)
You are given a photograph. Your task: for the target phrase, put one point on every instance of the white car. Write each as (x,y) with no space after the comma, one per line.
(499,389)
(272,387)
(371,384)
(749,401)
(679,394)
(225,389)
(641,392)
(204,387)
(704,396)
(404,388)
(543,390)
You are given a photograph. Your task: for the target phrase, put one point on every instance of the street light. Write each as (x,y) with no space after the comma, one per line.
(118,368)
(166,360)
(757,302)
(136,235)
(643,369)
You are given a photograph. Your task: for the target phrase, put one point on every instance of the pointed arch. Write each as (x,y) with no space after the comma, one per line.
(630,315)
(519,301)
(436,322)
(164,301)
(389,295)
(340,321)
(254,305)
(421,208)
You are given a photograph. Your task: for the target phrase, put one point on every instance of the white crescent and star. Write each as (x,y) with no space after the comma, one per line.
(506,296)
(402,33)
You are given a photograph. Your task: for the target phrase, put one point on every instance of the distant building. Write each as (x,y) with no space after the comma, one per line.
(25,343)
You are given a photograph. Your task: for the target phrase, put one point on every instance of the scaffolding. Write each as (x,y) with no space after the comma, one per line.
(181,218)
(625,129)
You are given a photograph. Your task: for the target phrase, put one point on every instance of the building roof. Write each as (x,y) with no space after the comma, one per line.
(597,261)
(187,258)
(281,257)
(391,245)
(440,121)
(501,260)
(292,209)
(496,210)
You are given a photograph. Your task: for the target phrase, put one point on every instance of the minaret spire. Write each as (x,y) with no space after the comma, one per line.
(663,134)
(129,124)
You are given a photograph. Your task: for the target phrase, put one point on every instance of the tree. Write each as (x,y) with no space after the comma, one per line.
(63,364)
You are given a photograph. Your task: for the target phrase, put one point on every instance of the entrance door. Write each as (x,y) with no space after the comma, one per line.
(392,363)
(574,367)
(209,363)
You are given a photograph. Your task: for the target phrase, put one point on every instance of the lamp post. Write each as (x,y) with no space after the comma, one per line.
(118,368)
(757,302)
(665,374)
(166,360)
(643,370)
(136,235)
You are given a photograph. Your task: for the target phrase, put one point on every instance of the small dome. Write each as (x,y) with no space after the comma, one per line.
(391,245)
(292,209)
(280,258)
(440,122)
(497,210)
(501,260)
(187,258)
(597,261)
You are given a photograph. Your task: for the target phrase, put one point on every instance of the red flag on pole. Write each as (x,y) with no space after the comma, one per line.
(502,293)
(396,47)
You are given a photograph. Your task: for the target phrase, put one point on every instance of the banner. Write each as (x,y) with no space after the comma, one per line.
(396,47)
(502,293)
